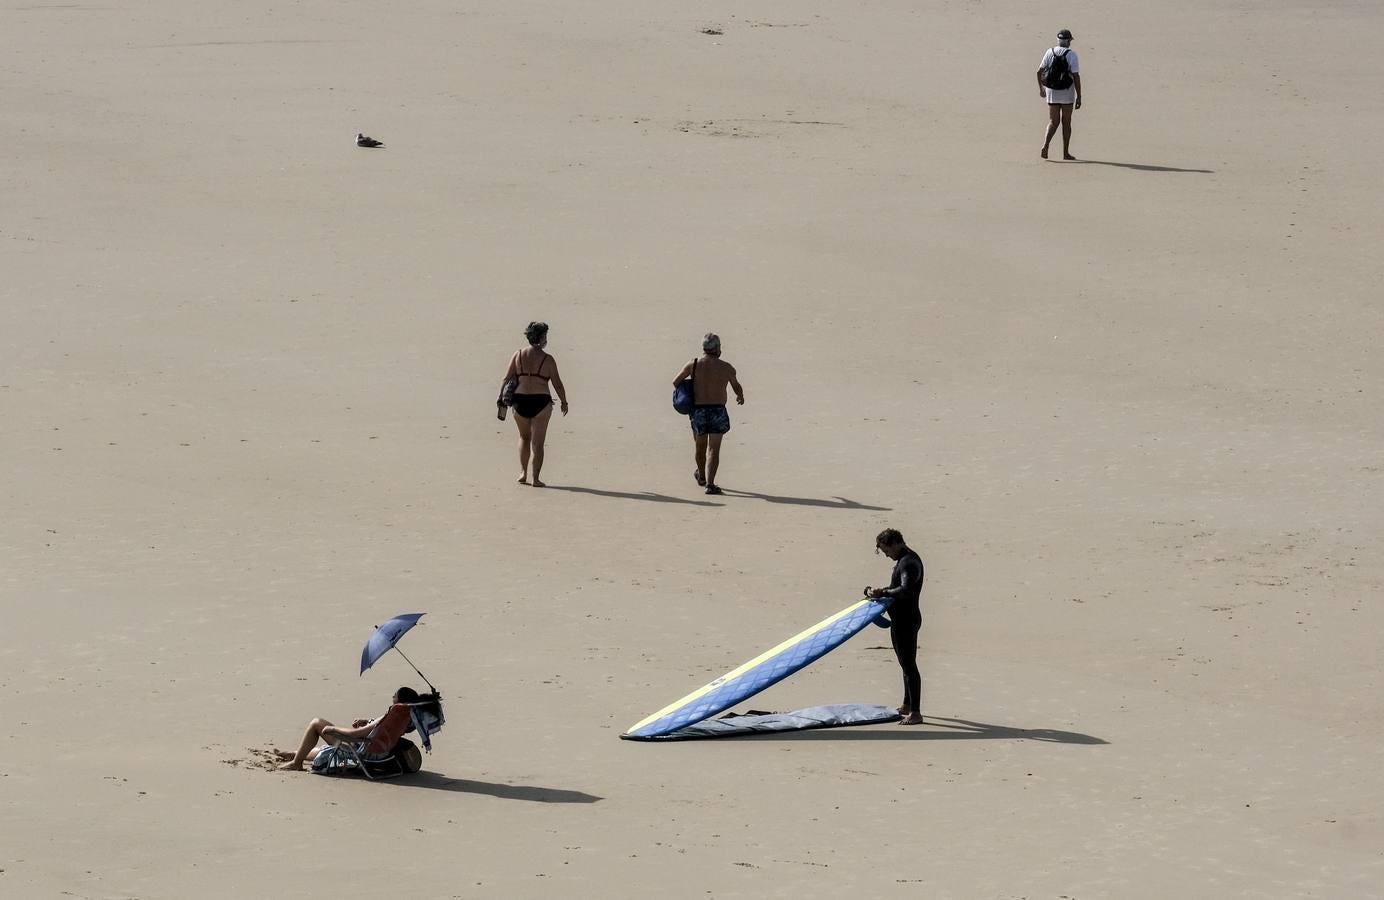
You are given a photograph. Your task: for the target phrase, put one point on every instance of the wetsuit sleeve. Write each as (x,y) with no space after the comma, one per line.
(910,579)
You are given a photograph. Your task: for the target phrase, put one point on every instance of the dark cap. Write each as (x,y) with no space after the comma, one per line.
(1064,35)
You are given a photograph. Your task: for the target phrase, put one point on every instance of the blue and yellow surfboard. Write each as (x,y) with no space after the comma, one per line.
(766,669)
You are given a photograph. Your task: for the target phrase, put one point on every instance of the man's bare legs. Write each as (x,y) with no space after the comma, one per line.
(713,458)
(532,433)
(307,749)
(708,455)
(1059,114)
(1054,120)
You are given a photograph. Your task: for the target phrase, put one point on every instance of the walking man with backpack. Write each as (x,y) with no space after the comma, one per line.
(1059,83)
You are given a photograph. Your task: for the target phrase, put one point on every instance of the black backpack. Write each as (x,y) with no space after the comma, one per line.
(1058,75)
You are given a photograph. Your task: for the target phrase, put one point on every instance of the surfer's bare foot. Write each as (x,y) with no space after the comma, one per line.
(1068,157)
(713,489)
(701,479)
(904,711)
(523,479)
(537,483)
(911,719)
(1043,153)
(291,766)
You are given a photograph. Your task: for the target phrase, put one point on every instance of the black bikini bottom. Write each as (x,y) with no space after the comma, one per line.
(530,405)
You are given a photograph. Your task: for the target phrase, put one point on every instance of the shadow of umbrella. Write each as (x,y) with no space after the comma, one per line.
(436,781)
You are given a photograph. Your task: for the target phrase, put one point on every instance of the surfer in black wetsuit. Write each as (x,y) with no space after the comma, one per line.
(905,617)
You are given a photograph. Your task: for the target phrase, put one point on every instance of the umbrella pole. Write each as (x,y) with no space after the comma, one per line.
(415,668)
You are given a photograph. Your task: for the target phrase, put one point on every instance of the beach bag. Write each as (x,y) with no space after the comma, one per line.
(683,393)
(507,391)
(409,757)
(1058,75)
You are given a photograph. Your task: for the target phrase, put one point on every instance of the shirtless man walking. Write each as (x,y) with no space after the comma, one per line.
(710,420)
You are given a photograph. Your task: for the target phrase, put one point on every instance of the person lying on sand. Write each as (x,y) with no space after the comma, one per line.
(388,728)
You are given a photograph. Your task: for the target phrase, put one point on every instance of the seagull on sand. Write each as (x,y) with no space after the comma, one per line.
(363,140)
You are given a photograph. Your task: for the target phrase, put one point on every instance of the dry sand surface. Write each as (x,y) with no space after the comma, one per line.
(1127,409)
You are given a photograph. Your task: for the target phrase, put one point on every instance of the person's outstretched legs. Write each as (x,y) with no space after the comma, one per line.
(1054,119)
(525,427)
(1067,132)
(713,459)
(308,744)
(540,434)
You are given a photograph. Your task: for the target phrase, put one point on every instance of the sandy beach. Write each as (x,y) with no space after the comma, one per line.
(1127,409)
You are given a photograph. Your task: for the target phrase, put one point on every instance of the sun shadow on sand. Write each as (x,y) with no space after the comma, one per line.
(631,495)
(1141,166)
(436,781)
(955,730)
(833,503)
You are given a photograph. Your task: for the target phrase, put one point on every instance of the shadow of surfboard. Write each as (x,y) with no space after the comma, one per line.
(950,730)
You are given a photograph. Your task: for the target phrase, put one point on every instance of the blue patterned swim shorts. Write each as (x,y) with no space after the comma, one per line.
(710,419)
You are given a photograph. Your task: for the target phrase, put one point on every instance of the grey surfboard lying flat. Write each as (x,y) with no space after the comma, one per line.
(834,716)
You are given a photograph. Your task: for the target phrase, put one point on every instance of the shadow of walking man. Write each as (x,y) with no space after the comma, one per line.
(631,495)
(1141,167)
(833,503)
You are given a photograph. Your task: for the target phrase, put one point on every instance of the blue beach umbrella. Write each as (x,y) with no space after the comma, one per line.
(386,637)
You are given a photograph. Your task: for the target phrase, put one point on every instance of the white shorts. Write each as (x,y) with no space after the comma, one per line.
(1055,97)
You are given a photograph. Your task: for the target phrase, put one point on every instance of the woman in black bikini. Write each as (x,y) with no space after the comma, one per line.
(533,405)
